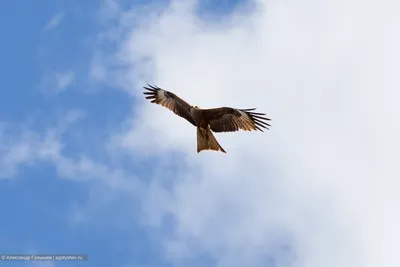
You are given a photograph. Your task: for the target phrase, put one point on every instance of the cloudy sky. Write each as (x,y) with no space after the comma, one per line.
(88,166)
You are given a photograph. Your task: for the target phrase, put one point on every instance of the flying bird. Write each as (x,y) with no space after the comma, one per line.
(223,119)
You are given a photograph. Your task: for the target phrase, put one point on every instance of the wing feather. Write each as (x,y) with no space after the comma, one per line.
(170,101)
(226,119)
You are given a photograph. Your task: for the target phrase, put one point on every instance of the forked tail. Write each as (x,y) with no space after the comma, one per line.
(206,140)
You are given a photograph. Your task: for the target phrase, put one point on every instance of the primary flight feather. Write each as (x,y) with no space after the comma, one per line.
(223,119)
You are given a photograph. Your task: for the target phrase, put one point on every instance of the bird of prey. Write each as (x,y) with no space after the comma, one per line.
(223,119)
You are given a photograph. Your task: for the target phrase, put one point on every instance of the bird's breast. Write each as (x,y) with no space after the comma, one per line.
(196,115)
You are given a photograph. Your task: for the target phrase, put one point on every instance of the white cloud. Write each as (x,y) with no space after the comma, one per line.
(57,81)
(25,147)
(54,22)
(320,188)
(26,144)
(64,80)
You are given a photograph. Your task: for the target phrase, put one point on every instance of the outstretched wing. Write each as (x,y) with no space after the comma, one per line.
(228,119)
(170,101)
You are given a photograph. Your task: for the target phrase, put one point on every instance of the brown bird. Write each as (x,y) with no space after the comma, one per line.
(223,119)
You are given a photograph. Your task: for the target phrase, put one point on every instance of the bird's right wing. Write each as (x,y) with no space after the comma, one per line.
(170,101)
(227,119)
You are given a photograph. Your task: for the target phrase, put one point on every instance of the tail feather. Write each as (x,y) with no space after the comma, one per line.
(206,140)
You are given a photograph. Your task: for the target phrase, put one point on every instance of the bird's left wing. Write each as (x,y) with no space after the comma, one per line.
(226,119)
(170,101)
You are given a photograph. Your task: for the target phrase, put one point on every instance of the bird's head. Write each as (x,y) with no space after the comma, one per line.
(196,107)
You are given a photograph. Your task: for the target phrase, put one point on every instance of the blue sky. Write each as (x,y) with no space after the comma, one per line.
(88,166)
(46,53)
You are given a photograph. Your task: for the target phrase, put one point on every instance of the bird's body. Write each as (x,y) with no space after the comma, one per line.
(198,116)
(223,119)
